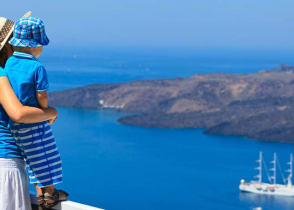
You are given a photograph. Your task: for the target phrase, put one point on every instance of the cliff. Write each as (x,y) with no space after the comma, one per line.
(258,106)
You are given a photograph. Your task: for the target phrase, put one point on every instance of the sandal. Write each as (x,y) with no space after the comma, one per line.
(40,199)
(58,195)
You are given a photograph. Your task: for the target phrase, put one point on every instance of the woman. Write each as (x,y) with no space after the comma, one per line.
(14,193)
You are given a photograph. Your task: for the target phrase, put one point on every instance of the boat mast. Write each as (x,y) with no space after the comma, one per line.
(274,169)
(290,170)
(259,168)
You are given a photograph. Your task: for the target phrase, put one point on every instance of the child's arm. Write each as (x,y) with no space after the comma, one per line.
(41,85)
(42,98)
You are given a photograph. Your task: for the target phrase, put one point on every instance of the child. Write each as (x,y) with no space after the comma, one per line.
(29,81)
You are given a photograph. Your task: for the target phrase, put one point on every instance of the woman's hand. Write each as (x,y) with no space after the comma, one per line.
(52,120)
(52,111)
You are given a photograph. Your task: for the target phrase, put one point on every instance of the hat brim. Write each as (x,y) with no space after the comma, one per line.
(11,30)
(6,38)
(23,43)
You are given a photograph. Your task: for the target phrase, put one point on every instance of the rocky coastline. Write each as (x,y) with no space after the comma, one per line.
(258,106)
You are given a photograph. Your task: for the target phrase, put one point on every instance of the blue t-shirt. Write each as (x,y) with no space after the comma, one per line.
(26,76)
(8,148)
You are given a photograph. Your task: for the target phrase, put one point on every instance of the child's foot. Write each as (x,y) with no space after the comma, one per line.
(53,199)
(40,199)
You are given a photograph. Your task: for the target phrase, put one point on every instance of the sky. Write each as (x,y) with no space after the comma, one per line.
(232,24)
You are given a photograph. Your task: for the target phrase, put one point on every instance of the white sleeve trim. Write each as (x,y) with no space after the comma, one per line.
(44,90)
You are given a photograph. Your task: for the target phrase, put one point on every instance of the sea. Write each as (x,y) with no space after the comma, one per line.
(119,167)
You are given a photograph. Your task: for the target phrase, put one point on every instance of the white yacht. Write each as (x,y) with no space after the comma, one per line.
(270,188)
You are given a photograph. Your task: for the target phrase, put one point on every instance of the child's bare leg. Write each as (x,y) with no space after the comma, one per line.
(38,189)
(40,193)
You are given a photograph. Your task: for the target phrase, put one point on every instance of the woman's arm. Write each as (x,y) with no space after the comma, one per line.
(19,113)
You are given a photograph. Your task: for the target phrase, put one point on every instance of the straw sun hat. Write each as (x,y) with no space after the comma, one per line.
(6,29)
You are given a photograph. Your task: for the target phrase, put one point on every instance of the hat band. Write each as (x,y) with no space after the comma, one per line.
(5,30)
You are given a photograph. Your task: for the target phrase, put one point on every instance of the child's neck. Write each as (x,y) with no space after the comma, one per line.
(34,51)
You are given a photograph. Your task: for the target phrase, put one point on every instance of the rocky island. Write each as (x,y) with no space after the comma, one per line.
(258,106)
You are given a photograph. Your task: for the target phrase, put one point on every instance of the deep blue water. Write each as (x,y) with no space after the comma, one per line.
(113,166)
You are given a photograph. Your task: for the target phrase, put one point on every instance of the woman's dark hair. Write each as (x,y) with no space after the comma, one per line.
(5,53)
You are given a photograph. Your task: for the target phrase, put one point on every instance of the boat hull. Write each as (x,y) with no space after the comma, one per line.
(267,189)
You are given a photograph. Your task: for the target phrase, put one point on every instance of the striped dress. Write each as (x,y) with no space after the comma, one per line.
(40,152)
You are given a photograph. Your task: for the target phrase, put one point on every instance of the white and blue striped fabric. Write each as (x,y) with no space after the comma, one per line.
(40,152)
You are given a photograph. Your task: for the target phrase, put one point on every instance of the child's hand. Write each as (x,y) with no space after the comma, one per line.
(52,120)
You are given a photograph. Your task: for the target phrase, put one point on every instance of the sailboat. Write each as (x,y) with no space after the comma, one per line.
(271,188)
